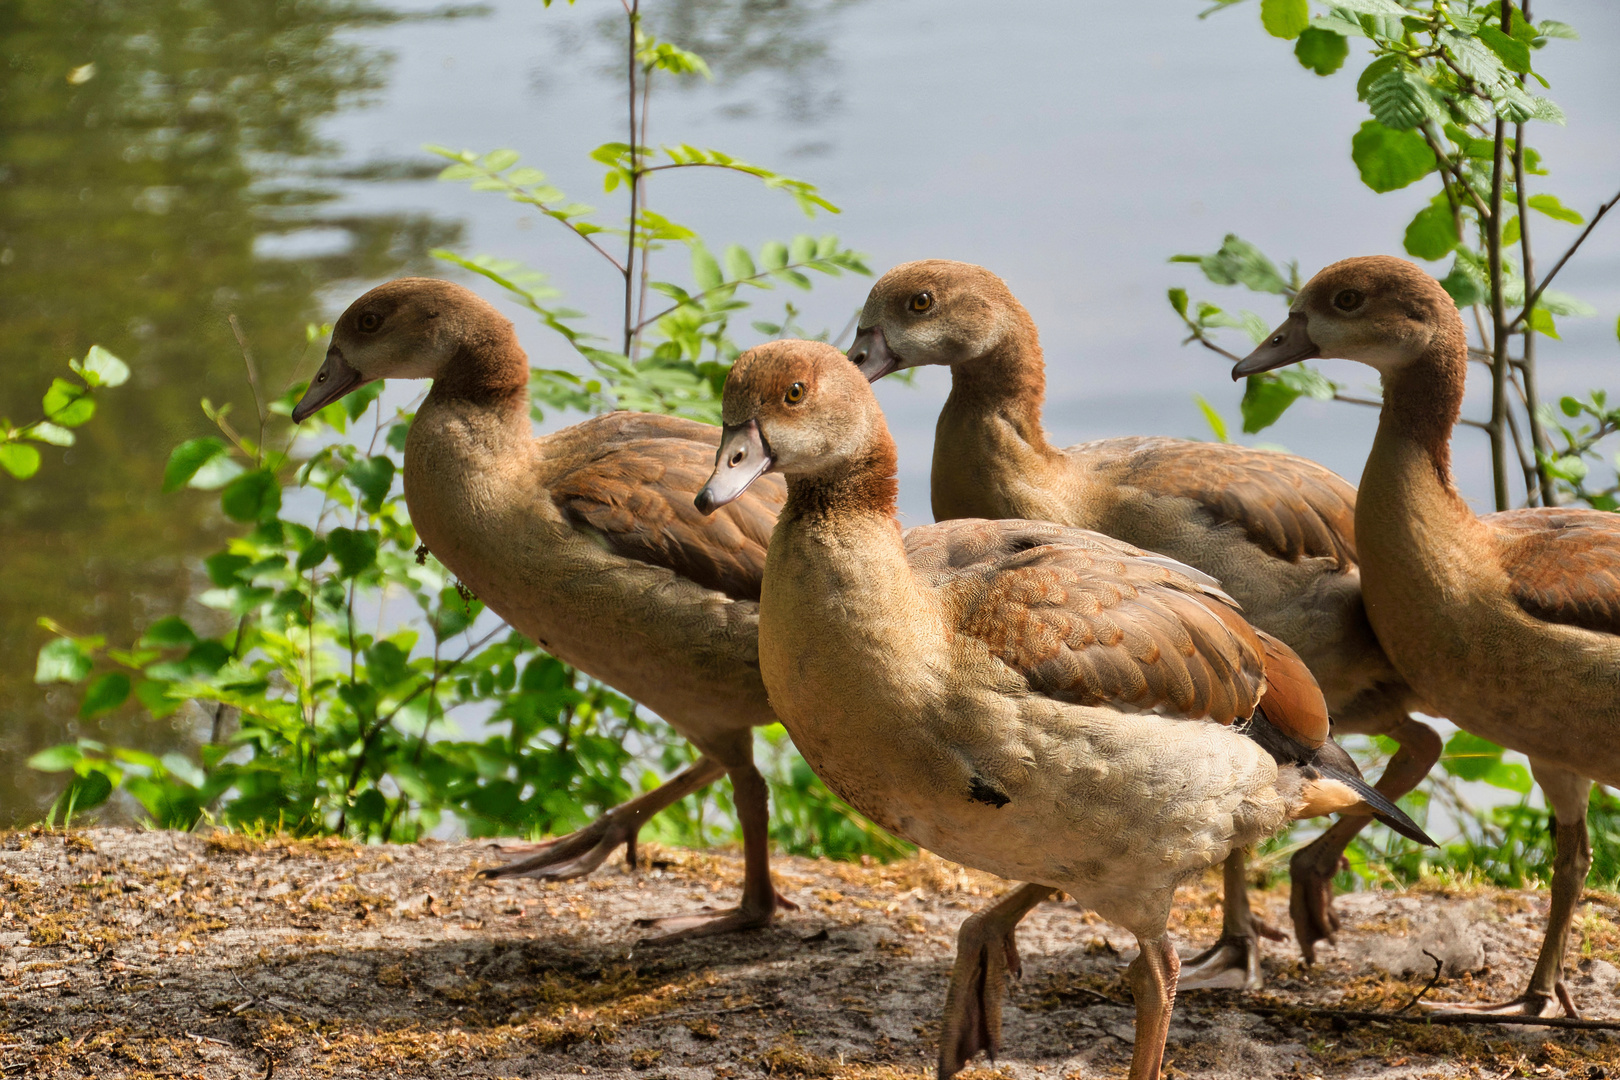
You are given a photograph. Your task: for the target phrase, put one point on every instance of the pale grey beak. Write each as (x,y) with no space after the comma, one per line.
(1288,344)
(335,379)
(870,353)
(743,458)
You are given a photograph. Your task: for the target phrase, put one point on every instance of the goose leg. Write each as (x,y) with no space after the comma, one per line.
(1233,962)
(986,951)
(1568,795)
(750,795)
(578,853)
(1153,983)
(1314,866)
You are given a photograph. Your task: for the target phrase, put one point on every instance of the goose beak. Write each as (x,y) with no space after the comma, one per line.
(871,354)
(335,379)
(743,458)
(1288,344)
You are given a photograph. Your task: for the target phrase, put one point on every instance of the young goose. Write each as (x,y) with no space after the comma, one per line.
(1040,702)
(1509,622)
(585,540)
(1275,530)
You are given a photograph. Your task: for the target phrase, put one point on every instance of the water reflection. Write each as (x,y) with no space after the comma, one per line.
(160,169)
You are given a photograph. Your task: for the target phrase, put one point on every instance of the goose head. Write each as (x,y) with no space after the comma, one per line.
(796,407)
(933,312)
(411,328)
(1381,311)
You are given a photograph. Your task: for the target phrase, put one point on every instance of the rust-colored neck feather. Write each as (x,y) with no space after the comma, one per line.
(1424,399)
(488,369)
(1009,380)
(866,484)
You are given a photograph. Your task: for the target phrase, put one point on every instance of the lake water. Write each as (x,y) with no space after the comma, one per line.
(235,157)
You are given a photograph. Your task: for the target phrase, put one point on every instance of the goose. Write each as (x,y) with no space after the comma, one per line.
(1277,531)
(1510,622)
(1037,701)
(585,540)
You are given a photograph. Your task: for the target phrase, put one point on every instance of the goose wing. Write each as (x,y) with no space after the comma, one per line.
(1290,507)
(1563,564)
(631,487)
(1084,618)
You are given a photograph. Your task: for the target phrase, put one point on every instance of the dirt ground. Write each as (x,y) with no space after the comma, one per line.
(147,954)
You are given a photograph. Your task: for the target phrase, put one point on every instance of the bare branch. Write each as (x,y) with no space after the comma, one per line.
(1530,304)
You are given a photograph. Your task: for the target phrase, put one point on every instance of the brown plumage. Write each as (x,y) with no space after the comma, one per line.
(1563,565)
(633,488)
(587,541)
(1038,701)
(1276,530)
(1510,623)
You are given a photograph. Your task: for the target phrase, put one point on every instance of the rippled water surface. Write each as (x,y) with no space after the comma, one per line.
(263,160)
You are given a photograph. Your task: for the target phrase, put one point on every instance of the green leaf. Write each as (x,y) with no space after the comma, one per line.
(1265,399)
(1509,775)
(1469,757)
(1178,300)
(1239,261)
(1549,205)
(104,368)
(253,496)
(313,555)
(1513,53)
(1541,321)
(61,660)
(705,270)
(1373,72)
(46,432)
(355,550)
(1465,288)
(739,264)
(104,695)
(373,477)
(1322,51)
(19,459)
(1402,99)
(453,614)
(1390,159)
(187,458)
(773,255)
(1433,232)
(1510,231)
(498,160)
(168,633)
(1216,422)
(58,758)
(1285,18)
(68,403)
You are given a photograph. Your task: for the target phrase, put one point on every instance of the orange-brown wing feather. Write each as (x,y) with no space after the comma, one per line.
(1086,619)
(1288,506)
(634,492)
(1293,702)
(1563,565)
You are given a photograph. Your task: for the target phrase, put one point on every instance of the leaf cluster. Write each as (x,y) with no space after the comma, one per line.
(67,404)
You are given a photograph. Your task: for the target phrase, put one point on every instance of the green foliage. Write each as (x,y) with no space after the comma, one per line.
(67,404)
(346,684)
(1446,89)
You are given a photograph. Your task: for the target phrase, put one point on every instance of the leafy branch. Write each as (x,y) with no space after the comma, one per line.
(66,405)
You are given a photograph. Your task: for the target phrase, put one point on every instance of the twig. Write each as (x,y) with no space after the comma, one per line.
(1208,344)
(1426,986)
(1439,1019)
(253,383)
(1564,258)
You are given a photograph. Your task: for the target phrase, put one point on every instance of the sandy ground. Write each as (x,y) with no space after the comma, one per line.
(147,954)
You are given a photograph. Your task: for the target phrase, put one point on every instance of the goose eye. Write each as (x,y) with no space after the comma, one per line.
(795,394)
(1347,300)
(370,321)
(921,302)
